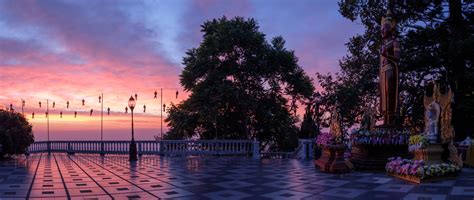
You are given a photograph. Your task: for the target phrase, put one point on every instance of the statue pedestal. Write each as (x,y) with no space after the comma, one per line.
(367,157)
(332,160)
(431,154)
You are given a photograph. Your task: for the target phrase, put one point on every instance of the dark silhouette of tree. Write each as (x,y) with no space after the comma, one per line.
(15,133)
(436,44)
(309,128)
(240,85)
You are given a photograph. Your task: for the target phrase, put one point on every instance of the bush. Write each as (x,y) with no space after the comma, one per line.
(15,133)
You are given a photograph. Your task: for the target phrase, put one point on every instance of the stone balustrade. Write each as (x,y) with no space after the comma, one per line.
(164,147)
(173,148)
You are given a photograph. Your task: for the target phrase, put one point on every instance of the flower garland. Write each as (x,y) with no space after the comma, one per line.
(327,139)
(419,169)
(380,137)
(417,142)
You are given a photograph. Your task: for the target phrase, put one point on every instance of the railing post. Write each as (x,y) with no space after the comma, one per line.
(102,152)
(256,149)
(310,148)
(48,146)
(70,151)
(140,150)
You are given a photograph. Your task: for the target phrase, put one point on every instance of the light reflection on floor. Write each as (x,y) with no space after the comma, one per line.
(60,176)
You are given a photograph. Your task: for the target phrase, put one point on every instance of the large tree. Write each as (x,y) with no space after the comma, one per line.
(15,133)
(436,39)
(242,87)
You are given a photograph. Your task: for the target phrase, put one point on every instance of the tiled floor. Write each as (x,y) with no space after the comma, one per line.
(59,176)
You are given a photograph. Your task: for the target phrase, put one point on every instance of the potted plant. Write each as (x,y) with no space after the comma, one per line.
(332,157)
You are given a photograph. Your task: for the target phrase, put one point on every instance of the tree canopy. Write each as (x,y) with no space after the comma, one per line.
(242,87)
(15,133)
(436,39)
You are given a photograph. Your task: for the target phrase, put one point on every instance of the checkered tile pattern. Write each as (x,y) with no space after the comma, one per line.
(58,176)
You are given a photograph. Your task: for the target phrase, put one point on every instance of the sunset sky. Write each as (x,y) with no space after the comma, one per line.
(74,50)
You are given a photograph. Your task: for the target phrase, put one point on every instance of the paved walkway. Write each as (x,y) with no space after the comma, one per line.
(93,177)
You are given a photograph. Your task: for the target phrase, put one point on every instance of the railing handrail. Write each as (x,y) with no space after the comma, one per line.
(169,147)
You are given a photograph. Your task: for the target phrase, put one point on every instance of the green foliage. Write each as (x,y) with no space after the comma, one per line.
(15,133)
(436,39)
(240,85)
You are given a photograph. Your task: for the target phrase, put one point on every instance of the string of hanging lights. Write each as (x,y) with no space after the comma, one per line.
(91,111)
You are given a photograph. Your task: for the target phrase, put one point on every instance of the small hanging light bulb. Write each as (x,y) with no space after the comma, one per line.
(67,104)
(100,99)
(75,114)
(108,111)
(126,110)
(91,112)
(54,104)
(39,104)
(83,101)
(144,108)
(33,115)
(164,107)
(61,114)
(136,96)
(156,94)
(46,114)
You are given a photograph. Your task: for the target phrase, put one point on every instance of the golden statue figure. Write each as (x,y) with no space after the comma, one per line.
(335,127)
(389,56)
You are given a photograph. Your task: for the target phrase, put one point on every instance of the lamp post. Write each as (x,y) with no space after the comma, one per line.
(47,119)
(101,100)
(161,115)
(133,145)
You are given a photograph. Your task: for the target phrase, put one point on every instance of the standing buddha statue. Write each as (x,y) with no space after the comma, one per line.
(389,57)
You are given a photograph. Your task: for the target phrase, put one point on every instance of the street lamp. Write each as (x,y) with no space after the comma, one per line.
(133,145)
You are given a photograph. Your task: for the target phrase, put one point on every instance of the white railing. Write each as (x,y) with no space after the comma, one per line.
(166,147)
(305,149)
(175,147)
